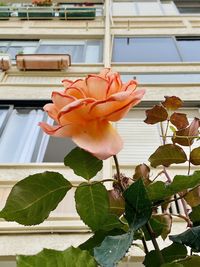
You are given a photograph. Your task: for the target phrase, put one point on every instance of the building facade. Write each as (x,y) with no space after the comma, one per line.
(156,42)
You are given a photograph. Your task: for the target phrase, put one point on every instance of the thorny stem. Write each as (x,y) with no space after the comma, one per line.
(167,175)
(145,245)
(157,176)
(155,244)
(118,171)
(183,217)
(189,164)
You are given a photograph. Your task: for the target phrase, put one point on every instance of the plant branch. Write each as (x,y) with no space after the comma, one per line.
(97,182)
(189,165)
(118,172)
(145,245)
(154,241)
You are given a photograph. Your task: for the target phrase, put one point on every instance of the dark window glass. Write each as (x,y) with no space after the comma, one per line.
(189,49)
(145,50)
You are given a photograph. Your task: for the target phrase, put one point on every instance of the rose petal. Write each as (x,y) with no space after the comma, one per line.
(115,85)
(113,103)
(60,99)
(130,85)
(75,92)
(52,111)
(105,73)
(77,111)
(59,131)
(100,139)
(97,87)
(67,82)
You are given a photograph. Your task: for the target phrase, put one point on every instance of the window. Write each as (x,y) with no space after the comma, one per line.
(143,8)
(81,51)
(163,78)
(156,49)
(22,140)
(140,139)
(188,7)
(189,48)
(145,49)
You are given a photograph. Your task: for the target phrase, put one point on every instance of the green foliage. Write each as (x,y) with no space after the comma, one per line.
(195,156)
(160,191)
(33,198)
(73,257)
(193,261)
(113,249)
(166,155)
(160,224)
(190,238)
(83,163)
(137,205)
(97,239)
(92,205)
(195,215)
(170,253)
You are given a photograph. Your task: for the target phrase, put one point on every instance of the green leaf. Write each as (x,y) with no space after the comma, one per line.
(170,253)
(33,198)
(190,238)
(73,257)
(193,261)
(195,156)
(172,264)
(92,204)
(160,224)
(113,249)
(83,163)
(166,155)
(160,191)
(111,222)
(195,215)
(98,238)
(138,207)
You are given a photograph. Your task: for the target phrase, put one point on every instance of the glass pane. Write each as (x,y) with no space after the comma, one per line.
(163,78)
(13,51)
(189,49)
(3,49)
(94,52)
(149,8)
(124,9)
(145,50)
(189,10)
(169,8)
(76,51)
(3,113)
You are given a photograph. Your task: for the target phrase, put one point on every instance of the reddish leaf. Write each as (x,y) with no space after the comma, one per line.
(166,155)
(179,120)
(117,203)
(166,221)
(156,114)
(142,171)
(172,102)
(189,133)
(195,156)
(193,197)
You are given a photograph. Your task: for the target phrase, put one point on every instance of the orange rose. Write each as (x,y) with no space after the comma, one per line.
(84,110)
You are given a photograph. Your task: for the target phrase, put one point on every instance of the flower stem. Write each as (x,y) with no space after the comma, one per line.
(145,245)
(118,172)
(155,244)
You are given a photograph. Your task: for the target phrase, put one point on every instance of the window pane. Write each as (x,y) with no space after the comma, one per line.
(124,9)
(145,50)
(13,51)
(76,51)
(163,78)
(149,8)
(169,8)
(190,49)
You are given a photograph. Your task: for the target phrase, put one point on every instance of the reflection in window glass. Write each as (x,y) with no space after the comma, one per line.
(80,51)
(161,49)
(149,8)
(189,49)
(169,8)
(163,78)
(124,9)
